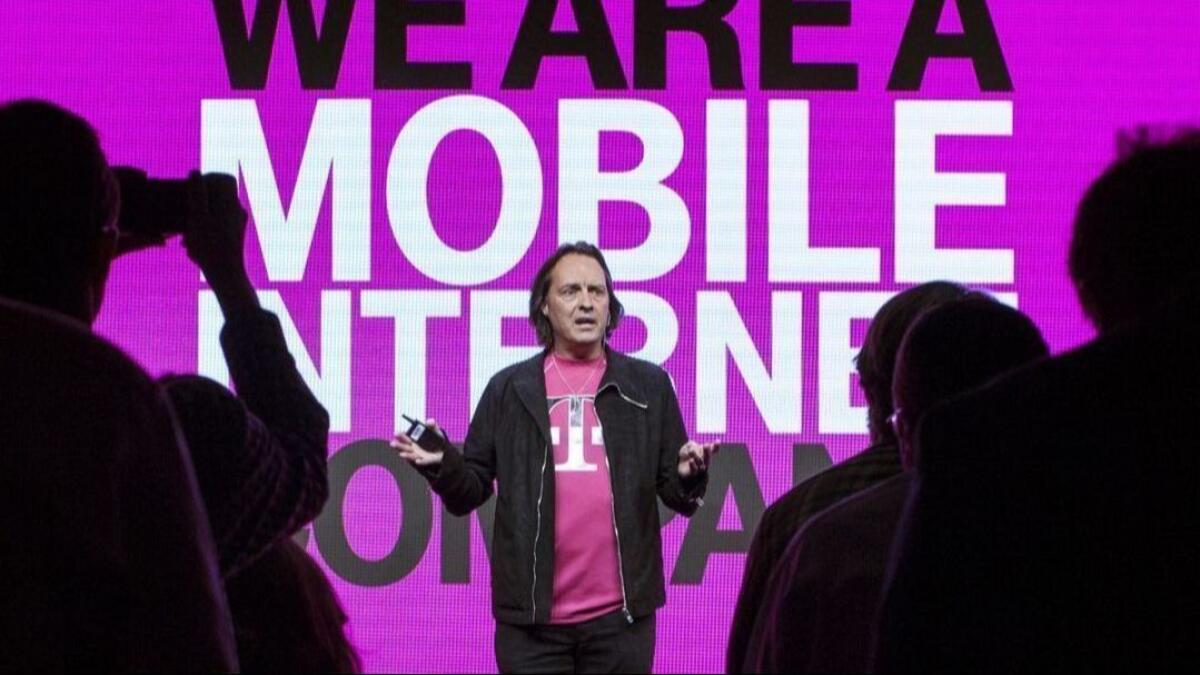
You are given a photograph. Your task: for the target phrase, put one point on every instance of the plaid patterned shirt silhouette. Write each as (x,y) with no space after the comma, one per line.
(260,456)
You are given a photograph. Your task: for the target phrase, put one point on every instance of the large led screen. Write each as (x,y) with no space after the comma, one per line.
(761,174)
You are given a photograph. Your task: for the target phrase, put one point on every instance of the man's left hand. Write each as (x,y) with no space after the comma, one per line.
(215,237)
(694,458)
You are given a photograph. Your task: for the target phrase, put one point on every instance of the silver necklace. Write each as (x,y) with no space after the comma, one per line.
(575,392)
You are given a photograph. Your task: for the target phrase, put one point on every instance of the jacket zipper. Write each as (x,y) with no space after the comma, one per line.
(538,533)
(612,486)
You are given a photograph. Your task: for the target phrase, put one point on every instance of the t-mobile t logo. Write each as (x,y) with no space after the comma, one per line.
(580,419)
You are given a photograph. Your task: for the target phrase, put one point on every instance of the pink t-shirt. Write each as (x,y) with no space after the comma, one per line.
(587,578)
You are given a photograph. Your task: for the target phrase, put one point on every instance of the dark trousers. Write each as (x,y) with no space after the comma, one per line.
(608,644)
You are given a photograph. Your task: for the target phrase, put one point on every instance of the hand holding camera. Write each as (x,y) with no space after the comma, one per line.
(205,209)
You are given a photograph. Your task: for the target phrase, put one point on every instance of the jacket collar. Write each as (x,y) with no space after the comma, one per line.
(620,376)
(529,381)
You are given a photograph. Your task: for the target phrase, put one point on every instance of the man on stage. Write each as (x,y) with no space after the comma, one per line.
(580,439)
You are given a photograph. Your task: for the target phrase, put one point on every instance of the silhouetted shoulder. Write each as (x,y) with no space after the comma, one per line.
(853,535)
(60,347)
(870,509)
(1118,387)
(867,468)
(67,393)
(100,495)
(215,422)
(200,400)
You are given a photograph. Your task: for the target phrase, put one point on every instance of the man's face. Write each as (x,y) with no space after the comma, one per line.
(577,304)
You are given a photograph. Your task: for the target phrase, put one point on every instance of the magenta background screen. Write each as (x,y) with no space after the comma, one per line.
(756,321)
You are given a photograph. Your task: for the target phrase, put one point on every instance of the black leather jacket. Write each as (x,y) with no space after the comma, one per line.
(509,441)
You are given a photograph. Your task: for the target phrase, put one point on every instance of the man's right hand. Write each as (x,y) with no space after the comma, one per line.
(415,454)
(215,238)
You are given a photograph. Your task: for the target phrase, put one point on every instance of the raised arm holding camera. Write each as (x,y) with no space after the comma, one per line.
(260,456)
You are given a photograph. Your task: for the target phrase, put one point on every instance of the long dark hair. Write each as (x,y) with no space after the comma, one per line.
(541,288)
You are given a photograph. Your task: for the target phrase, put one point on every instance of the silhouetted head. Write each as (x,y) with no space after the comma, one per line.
(952,349)
(1136,247)
(877,358)
(58,207)
(286,616)
(544,311)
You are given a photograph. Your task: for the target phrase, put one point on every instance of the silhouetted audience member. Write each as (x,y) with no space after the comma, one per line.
(1052,526)
(260,456)
(287,617)
(106,554)
(877,463)
(821,604)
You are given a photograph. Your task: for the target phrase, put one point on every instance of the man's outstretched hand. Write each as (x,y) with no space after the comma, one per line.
(415,454)
(694,458)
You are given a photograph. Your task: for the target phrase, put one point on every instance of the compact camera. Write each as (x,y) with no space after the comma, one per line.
(151,207)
